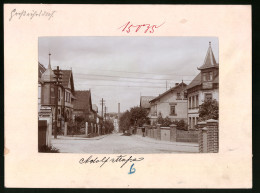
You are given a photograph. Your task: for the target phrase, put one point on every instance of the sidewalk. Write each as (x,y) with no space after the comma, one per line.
(151,140)
(78,137)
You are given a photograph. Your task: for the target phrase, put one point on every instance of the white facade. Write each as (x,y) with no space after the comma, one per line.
(195,99)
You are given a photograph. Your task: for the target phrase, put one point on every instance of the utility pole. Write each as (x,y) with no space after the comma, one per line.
(118,115)
(58,77)
(102,103)
(166,85)
(105,113)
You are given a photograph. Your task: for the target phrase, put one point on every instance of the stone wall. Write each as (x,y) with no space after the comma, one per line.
(187,136)
(208,136)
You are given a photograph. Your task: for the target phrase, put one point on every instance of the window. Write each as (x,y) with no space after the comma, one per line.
(204,76)
(193,122)
(208,96)
(197,101)
(59,94)
(189,102)
(173,110)
(210,75)
(185,95)
(178,95)
(207,76)
(193,102)
(52,92)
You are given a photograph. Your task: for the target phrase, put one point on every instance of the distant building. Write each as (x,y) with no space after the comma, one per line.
(203,87)
(95,108)
(82,104)
(172,104)
(145,102)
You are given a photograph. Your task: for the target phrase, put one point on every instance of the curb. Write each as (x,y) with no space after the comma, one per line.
(82,138)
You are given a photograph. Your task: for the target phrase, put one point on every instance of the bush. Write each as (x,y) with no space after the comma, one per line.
(46,149)
(182,125)
(208,110)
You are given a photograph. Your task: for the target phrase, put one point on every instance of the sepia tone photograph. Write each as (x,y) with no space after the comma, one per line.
(128,95)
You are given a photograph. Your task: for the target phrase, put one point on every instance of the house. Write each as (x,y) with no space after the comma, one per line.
(82,104)
(172,104)
(145,102)
(62,94)
(67,94)
(41,70)
(83,108)
(203,87)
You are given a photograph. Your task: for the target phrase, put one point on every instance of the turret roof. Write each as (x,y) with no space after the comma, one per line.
(210,60)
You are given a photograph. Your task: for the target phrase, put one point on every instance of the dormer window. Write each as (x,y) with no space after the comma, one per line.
(178,96)
(207,76)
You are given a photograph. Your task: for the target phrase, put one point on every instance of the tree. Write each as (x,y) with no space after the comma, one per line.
(138,116)
(124,122)
(109,126)
(208,110)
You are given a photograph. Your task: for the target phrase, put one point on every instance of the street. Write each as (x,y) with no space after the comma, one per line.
(118,144)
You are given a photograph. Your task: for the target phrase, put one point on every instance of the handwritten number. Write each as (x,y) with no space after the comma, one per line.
(132,170)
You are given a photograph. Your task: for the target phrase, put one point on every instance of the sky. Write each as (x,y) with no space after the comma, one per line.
(121,69)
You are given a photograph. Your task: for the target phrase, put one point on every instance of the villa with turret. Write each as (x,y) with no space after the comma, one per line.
(203,87)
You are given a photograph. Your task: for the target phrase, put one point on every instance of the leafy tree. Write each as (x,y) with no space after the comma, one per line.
(124,121)
(208,110)
(138,116)
(109,126)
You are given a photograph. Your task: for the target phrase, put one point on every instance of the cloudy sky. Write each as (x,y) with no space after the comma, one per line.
(121,69)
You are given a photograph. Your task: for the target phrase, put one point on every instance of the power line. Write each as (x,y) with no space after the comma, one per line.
(145,73)
(125,81)
(126,77)
(129,86)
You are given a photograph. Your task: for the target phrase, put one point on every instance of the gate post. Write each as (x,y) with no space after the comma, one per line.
(42,131)
(65,128)
(173,131)
(158,132)
(86,129)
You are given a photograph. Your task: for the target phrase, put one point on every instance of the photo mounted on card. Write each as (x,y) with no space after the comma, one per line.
(124,97)
(156,95)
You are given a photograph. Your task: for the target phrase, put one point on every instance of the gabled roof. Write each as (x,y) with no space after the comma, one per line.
(95,107)
(169,91)
(83,101)
(210,60)
(145,101)
(67,77)
(195,82)
(41,70)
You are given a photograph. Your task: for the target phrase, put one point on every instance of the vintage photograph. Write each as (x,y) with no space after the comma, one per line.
(128,95)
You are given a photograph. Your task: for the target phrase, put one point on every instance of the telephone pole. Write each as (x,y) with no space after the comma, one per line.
(105,113)
(58,77)
(102,102)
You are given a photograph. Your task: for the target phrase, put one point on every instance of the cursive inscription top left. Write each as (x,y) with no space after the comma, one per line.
(31,14)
